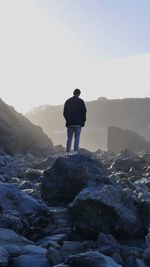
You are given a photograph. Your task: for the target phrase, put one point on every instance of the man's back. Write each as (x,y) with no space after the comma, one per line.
(75,111)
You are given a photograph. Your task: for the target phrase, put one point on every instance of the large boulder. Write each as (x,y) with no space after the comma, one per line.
(106,209)
(68,177)
(21,212)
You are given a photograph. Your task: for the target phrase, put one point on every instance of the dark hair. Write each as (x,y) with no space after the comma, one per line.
(77,92)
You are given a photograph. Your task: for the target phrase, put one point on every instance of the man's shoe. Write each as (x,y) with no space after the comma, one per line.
(75,153)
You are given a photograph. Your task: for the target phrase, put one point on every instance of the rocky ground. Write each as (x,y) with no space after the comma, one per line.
(90,210)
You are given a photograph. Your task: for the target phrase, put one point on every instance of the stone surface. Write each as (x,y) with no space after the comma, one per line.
(108,209)
(68,177)
(91,259)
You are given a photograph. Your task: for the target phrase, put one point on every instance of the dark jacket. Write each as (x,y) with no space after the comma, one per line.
(74,111)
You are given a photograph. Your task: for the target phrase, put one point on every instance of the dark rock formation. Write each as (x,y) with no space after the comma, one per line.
(17,133)
(105,221)
(21,212)
(108,209)
(120,139)
(68,177)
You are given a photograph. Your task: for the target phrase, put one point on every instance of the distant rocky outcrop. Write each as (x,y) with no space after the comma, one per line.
(18,134)
(120,139)
(130,113)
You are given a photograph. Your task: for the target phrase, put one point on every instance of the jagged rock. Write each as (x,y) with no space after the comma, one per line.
(34,260)
(120,139)
(126,160)
(45,163)
(55,255)
(145,156)
(91,259)
(108,209)
(17,133)
(107,244)
(68,176)
(30,213)
(12,242)
(32,174)
(46,241)
(4,257)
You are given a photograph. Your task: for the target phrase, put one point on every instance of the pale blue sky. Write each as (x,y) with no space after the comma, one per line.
(105,28)
(50,47)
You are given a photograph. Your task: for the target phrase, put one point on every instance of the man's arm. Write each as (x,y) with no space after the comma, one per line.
(84,110)
(65,110)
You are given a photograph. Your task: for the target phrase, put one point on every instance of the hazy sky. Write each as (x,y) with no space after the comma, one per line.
(50,47)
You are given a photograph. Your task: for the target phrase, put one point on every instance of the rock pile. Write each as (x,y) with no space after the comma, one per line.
(90,210)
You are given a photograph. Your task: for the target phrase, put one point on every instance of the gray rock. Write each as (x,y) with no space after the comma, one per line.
(68,177)
(126,160)
(12,242)
(32,249)
(31,214)
(32,174)
(4,257)
(107,244)
(91,259)
(108,209)
(55,255)
(34,260)
(46,241)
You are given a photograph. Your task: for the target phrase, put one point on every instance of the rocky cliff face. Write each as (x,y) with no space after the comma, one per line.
(17,133)
(132,114)
(119,139)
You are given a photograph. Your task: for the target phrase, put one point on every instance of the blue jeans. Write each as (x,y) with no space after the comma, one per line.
(73,131)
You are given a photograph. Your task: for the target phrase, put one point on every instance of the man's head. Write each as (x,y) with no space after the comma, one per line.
(77,92)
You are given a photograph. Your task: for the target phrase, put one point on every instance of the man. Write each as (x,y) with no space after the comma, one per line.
(75,116)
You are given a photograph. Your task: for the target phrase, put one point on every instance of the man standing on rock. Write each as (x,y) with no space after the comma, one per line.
(75,116)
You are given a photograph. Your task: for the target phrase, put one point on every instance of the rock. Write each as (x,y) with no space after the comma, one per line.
(32,249)
(17,133)
(145,156)
(34,260)
(91,259)
(73,247)
(46,241)
(4,257)
(45,163)
(55,255)
(67,177)
(127,160)
(32,174)
(12,242)
(108,209)
(140,263)
(30,213)
(107,244)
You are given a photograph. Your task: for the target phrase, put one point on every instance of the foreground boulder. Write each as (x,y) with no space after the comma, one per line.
(106,209)
(21,212)
(68,177)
